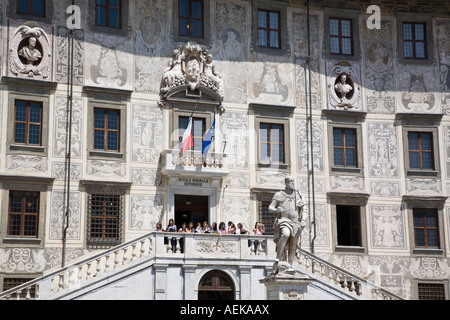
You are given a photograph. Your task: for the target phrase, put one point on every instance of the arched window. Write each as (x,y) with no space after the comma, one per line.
(216,285)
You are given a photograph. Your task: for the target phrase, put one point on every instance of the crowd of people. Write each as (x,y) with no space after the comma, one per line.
(208,229)
(213,228)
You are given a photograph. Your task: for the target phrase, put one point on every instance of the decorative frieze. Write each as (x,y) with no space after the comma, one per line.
(385,188)
(62,55)
(58,211)
(238,210)
(146,133)
(383,150)
(234,130)
(106,168)
(388,227)
(417,90)
(423,186)
(109,63)
(378,68)
(303,145)
(60,128)
(150,45)
(59,170)
(26,164)
(146,211)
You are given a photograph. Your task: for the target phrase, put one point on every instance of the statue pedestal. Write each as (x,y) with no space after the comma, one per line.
(287,286)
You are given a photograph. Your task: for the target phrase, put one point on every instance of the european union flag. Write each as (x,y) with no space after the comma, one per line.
(208,137)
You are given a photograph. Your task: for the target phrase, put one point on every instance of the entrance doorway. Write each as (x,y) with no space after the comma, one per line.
(216,285)
(191,208)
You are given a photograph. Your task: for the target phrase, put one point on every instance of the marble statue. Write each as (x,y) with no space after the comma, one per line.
(343,89)
(30,52)
(290,220)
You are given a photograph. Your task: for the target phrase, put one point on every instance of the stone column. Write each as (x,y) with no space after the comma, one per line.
(287,286)
(160,281)
(246,285)
(189,282)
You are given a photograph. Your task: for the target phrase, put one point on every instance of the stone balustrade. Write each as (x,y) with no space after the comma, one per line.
(194,161)
(152,246)
(345,279)
(186,248)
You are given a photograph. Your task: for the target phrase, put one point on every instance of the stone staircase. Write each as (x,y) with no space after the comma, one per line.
(329,275)
(98,271)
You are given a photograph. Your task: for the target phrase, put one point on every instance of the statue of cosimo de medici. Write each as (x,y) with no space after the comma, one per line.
(290,220)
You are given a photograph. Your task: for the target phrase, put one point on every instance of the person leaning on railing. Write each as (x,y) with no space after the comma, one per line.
(171,227)
(258,231)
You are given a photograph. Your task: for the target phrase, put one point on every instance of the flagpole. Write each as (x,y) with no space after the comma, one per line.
(188,135)
(195,108)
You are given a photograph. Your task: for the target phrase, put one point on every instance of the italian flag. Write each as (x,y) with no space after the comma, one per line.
(188,140)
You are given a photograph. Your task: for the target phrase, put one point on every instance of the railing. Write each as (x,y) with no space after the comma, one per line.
(234,246)
(194,161)
(185,246)
(339,276)
(154,245)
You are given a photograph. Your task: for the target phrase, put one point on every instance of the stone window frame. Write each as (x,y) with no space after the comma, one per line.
(416,282)
(421,172)
(207,33)
(431,202)
(277,6)
(109,102)
(273,115)
(426,18)
(47,18)
(349,199)
(268,29)
(106,188)
(346,120)
(42,185)
(352,15)
(262,196)
(122,31)
(23,278)
(185,110)
(11,147)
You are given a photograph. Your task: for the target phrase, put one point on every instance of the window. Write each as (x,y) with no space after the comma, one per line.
(198,130)
(420,146)
(265,216)
(108,13)
(10,283)
(190,15)
(426,228)
(348,225)
(28,123)
(106,129)
(344,147)
(23,214)
(269,29)
(31,7)
(271,143)
(431,291)
(414,40)
(341,36)
(105,218)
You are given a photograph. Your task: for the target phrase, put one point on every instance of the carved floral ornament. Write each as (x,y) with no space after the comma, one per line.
(192,70)
(30,52)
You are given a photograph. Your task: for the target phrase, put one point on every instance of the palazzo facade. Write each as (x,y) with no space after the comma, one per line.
(357,111)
